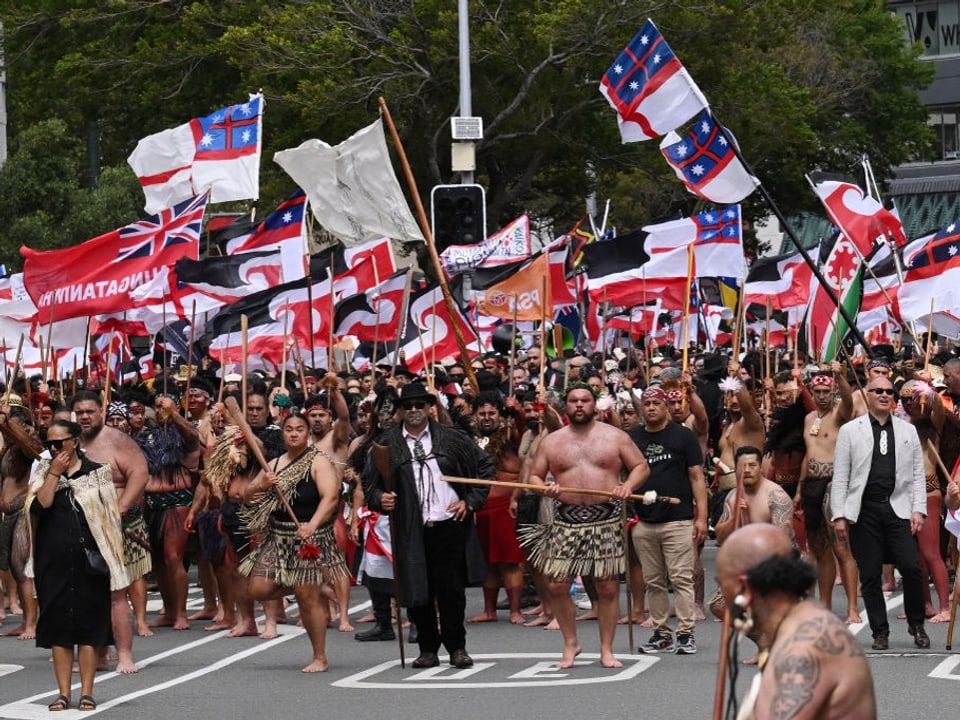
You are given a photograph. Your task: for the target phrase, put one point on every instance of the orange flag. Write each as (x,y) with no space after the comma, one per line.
(525,288)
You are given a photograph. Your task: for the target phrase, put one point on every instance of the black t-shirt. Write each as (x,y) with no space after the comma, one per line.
(670,453)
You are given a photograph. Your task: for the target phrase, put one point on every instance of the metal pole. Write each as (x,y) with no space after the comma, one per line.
(466,96)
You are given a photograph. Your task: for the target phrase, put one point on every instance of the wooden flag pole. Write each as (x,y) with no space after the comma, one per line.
(402,319)
(186,391)
(86,356)
(243,362)
(283,360)
(513,347)
(428,236)
(543,338)
(107,386)
(223,372)
(43,358)
(330,367)
(16,371)
(686,306)
(929,343)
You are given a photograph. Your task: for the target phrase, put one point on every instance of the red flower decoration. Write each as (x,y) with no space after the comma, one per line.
(309,551)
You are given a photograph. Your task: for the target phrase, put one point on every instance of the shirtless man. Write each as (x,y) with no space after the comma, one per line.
(745,425)
(763,501)
(589,455)
(820,430)
(499,436)
(174,475)
(14,544)
(816,670)
(330,434)
(129,468)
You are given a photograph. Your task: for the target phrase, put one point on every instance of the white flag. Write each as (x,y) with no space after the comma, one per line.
(352,188)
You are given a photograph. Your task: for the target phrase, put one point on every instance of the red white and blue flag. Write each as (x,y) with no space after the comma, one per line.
(97,276)
(717,238)
(219,153)
(706,163)
(649,88)
(283,225)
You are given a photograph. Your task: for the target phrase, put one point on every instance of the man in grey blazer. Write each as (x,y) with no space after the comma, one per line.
(878,500)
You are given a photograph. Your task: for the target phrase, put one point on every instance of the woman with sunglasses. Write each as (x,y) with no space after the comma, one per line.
(77,558)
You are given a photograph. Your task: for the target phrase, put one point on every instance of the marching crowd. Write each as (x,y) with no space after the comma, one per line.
(518,472)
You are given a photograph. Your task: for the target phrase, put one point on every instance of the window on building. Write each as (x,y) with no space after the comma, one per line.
(947,133)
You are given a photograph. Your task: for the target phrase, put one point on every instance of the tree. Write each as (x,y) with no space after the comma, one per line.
(803,84)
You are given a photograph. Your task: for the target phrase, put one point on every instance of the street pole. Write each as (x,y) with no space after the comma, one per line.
(466,95)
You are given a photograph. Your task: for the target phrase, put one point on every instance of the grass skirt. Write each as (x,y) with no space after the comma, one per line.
(277,558)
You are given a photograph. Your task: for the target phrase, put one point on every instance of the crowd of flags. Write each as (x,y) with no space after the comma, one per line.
(671,282)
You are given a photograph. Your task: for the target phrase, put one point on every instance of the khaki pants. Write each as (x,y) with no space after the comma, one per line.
(666,550)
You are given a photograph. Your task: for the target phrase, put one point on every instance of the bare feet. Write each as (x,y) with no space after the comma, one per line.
(648,623)
(941,617)
(538,610)
(317,666)
(635,618)
(552,625)
(248,629)
(608,660)
(28,634)
(270,631)
(162,621)
(853,618)
(698,614)
(516,618)
(538,621)
(143,629)
(590,614)
(368,618)
(205,614)
(15,632)
(345,625)
(217,626)
(569,655)
(126,666)
(483,617)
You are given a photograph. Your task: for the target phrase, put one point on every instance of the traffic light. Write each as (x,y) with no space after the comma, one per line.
(458,215)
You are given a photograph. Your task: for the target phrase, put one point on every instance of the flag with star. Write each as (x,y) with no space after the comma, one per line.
(219,153)
(717,239)
(649,88)
(706,163)
(932,280)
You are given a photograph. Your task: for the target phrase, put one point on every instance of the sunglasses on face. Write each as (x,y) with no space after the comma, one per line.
(56,445)
(881,391)
(414,405)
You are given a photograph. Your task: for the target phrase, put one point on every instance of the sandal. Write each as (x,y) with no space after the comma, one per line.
(87,703)
(61,703)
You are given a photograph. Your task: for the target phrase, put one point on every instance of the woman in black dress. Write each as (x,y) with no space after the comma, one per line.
(77,558)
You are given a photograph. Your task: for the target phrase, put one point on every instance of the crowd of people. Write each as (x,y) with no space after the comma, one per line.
(516,472)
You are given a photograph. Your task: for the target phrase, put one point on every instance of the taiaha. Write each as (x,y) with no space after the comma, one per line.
(725,635)
(16,371)
(86,355)
(543,489)
(686,306)
(186,391)
(629,565)
(283,355)
(431,247)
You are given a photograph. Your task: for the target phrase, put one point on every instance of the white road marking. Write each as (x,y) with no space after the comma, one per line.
(944,671)
(9,669)
(633,666)
(445,672)
(894,601)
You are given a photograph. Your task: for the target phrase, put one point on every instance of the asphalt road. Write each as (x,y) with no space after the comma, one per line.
(210,676)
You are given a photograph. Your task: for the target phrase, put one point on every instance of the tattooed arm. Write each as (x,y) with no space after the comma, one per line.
(781,511)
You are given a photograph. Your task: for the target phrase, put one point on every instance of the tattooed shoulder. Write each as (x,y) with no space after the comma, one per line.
(796,672)
(828,635)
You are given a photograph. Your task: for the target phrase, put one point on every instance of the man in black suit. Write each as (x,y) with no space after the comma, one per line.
(437,551)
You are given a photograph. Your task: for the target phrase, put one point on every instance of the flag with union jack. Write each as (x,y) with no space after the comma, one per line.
(219,153)
(97,276)
(649,88)
(706,163)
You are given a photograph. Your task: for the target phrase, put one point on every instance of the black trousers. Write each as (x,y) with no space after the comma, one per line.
(879,535)
(444,544)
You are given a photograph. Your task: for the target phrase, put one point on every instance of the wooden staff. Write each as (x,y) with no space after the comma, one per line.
(423,355)
(926,354)
(185,402)
(233,414)
(738,320)
(243,362)
(6,372)
(626,558)
(283,359)
(86,356)
(73,387)
(725,635)
(16,370)
(381,460)
(298,359)
(330,367)
(107,381)
(956,585)
(513,347)
(223,372)
(428,237)
(43,360)
(376,339)
(543,489)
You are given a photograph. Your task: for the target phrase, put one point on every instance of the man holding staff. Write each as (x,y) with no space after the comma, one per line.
(586,537)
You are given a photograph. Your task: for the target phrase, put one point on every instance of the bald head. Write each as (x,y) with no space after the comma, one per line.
(749,546)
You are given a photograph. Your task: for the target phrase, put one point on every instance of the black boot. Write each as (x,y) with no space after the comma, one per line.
(380,631)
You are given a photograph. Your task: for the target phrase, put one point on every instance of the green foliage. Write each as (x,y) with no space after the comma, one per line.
(803,84)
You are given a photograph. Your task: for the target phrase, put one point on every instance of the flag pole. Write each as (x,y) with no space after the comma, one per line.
(283,361)
(243,362)
(929,343)
(543,338)
(86,355)
(788,229)
(108,382)
(330,367)
(428,236)
(16,371)
(186,391)
(686,306)
(513,346)
(43,359)
(402,321)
